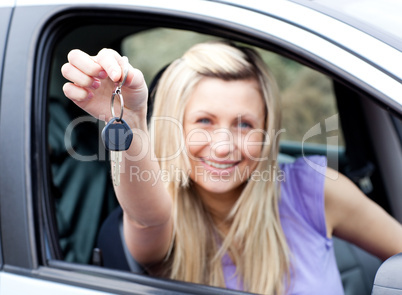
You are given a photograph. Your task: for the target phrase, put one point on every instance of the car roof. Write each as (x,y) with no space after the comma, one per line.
(378,18)
(381,19)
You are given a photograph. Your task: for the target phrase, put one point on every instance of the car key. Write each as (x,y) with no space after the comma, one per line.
(116,158)
(117,135)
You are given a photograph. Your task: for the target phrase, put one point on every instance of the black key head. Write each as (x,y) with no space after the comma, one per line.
(117,135)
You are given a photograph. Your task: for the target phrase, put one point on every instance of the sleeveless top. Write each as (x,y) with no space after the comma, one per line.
(313,268)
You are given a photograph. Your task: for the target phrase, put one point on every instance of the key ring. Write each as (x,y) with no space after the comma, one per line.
(117,91)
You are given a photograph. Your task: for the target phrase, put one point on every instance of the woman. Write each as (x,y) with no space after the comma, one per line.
(215,220)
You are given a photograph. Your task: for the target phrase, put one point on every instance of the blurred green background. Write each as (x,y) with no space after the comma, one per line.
(307,95)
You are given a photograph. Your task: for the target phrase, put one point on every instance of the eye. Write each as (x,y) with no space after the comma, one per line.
(244,125)
(204,121)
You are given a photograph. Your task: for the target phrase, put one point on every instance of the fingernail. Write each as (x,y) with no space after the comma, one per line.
(90,95)
(114,75)
(102,74)
(96,84)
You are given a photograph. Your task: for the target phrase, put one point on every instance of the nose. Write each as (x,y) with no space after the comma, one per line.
(222,145)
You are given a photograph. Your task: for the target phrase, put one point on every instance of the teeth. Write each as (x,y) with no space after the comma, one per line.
(220,166)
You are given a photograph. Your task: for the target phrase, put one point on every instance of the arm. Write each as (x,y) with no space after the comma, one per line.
(352,216)
(146,204)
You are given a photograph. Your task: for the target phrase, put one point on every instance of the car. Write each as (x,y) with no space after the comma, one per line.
(338,65)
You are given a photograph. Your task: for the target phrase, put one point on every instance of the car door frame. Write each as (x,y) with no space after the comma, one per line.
(22,119)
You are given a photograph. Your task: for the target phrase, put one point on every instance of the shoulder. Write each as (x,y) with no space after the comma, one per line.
(302,192)
(306,173)
(306,162)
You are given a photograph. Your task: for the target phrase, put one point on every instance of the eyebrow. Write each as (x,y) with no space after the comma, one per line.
(202,113)
(247,116)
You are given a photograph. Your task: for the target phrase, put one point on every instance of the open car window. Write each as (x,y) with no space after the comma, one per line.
(322,114)
(83,193)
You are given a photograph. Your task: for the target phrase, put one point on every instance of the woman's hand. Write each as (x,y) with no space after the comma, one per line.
(148,225)
(94,78)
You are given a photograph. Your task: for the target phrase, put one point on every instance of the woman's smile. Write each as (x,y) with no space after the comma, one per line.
(220,121)
(223,165)
(223,168)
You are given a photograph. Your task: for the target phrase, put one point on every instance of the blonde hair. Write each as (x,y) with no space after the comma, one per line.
(255,239)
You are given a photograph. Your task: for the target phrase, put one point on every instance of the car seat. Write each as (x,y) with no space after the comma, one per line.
(113,250)
(388,278)
(356,267)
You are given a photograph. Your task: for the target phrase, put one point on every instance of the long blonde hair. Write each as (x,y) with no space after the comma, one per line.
(255,239)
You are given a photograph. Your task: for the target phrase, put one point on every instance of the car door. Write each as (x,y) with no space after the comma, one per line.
(34,188)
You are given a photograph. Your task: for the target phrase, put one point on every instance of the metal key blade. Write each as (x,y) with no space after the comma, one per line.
(119,159)
(116,158)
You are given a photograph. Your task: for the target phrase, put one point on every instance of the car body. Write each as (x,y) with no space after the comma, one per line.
(359,52)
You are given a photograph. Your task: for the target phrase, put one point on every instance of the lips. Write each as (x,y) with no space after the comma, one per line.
(220,165)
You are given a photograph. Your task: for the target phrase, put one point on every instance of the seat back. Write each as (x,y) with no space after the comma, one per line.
(356,267)
(388,280)
(113,249)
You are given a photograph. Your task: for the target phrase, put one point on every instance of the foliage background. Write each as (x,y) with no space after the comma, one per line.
(307,95)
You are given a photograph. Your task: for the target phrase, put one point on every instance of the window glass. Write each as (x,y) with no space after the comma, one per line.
(82,189)
(307,95)
(307,99)
(398,127)
(146,50)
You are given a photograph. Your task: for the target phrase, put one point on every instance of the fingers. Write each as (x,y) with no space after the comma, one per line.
(96,77)
(84,73)
(86,64)
(112,62)
(76,93)
(78,77)
(135,79)
(82,97)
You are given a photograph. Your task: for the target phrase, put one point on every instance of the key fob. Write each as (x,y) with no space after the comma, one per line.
(117,135)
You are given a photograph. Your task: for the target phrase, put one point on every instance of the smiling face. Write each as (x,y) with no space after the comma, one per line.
(223,125)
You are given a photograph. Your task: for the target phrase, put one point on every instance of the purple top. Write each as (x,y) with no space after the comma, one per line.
(302,215)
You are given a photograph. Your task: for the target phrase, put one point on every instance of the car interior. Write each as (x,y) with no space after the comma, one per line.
(322,114)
